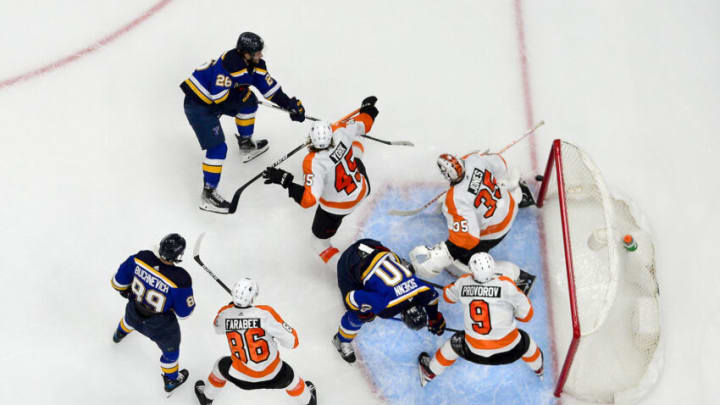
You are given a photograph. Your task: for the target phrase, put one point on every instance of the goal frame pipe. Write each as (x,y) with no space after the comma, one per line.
(555,159)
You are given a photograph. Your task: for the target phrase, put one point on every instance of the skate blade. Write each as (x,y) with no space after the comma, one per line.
(214,209)
(253,155)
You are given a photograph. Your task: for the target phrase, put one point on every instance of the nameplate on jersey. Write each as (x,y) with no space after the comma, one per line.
(338,153)
(151,280)
(475,181)
(480,291)
(241,323)
(405,287)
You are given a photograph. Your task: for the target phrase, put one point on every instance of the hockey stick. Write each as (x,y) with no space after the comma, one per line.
(196,256)
(345,118)
(401,213)
(446,328)
(236,196)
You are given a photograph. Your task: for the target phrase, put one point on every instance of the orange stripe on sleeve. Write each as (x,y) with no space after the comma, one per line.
(308,199)
(280,320)
(359,145)
(365,119)
(447,299)
(460,239)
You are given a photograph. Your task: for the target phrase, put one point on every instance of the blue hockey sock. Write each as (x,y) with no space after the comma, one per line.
(169,364)
(245,121)
(212,164)
(350,325)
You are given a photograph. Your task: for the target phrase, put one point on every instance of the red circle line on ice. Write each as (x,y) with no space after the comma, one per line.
(79,54)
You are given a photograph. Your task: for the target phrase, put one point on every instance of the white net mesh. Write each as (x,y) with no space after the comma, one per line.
(616,290)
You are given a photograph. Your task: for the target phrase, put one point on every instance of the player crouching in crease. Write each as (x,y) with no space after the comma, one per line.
(480,208)
(334,175)
(491,304)
(373,281)
(252,332)
(157,290)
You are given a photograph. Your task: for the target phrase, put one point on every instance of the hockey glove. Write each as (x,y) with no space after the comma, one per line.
(296,109)
(368,107)
(366,317)
(125,293)
(277,176)
(437,325)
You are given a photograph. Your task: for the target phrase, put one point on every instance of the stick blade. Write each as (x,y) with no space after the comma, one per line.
(400,213)
(196,248)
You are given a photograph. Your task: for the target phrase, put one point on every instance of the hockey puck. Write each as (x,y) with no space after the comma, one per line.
(539,178)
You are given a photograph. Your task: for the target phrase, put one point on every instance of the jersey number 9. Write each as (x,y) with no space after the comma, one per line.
(480,314)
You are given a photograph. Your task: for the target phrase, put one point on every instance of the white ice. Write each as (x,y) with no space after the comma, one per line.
(98,162)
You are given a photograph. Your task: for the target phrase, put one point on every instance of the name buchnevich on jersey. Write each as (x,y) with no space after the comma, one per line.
(338,153)
(151,280)
(480,291)
(241,323)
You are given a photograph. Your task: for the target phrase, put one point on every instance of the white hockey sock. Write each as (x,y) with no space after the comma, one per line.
(444,357)
(533,357)
(298,391)
(215,382)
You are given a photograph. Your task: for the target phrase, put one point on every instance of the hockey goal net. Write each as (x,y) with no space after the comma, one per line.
(603,297)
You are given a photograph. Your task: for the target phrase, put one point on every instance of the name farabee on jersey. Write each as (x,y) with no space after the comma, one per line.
(242,323)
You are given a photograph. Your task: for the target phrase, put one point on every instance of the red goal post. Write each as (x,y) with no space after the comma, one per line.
(603,299)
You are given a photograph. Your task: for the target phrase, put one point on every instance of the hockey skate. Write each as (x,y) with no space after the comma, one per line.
(345,349)
(212,201)
(250,149)
(424,368)
(527,197)
(171,385)
(313,393)
(200,393)
(117,337)
(525,282)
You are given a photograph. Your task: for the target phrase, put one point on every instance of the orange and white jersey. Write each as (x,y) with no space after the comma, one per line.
(332,176)
(252,334)
(490,310)
(479,208)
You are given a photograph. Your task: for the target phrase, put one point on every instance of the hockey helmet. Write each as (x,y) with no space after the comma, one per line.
(482,267)
(172,248)
(249,42)
(244,292)
(451,167)
(415,317)
(321,135)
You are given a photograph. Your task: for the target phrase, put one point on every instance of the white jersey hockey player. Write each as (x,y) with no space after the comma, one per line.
(480,208)
(253,333)
(335,177)
(491,305)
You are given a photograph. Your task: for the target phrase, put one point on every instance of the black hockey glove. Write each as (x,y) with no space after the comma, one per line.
(277,176)
(296,109)
(368,107)
(437,325)
(125,293)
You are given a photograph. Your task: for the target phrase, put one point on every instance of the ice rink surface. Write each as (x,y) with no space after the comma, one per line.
(99,162)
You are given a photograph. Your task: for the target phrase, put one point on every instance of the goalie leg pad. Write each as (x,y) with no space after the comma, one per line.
(428,262)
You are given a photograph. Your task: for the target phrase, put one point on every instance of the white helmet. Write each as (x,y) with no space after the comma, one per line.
(244,292)
(482,267)
(451,167)
(321,135)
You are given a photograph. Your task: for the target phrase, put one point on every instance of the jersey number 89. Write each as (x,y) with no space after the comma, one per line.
(154,298)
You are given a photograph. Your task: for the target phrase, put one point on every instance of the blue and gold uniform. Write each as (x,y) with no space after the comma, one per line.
(156,293)
(222,87)
(374,282)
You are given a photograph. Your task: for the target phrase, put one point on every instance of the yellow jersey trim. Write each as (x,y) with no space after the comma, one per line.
(407,296)
(155,272)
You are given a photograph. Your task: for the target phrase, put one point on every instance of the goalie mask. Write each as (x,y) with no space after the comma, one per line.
(452,168)
(482,267)
(244,292)
(321,135)
(415,318)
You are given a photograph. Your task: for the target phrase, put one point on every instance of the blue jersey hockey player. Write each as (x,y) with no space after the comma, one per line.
(222,87)
(157,290)
(373,281)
